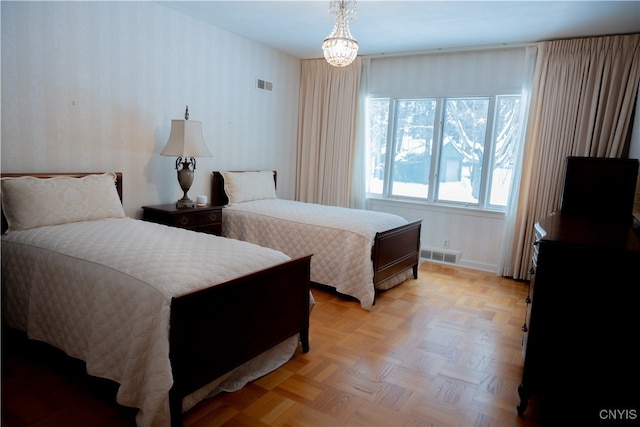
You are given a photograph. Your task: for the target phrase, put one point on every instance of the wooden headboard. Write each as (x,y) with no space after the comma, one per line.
(56,174)
(218,196)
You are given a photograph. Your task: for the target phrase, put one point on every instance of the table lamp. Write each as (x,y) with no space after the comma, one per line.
(186,143)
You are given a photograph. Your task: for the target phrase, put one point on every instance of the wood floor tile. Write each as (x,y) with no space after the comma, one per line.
(442,350)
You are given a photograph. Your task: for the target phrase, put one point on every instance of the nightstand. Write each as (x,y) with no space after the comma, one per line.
(207,219)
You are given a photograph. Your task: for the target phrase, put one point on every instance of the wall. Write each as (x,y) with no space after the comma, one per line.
(93,86)
(476,234)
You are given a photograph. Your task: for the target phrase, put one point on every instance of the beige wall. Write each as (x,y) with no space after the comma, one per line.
(90,86)
(476,235)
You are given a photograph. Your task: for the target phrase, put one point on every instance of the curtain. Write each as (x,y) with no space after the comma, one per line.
(505,260)
(328,107)
(359,175)
(582,104)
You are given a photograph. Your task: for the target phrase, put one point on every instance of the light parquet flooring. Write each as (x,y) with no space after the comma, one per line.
(443,350)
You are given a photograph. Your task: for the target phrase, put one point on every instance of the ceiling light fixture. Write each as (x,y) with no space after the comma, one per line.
(340,47)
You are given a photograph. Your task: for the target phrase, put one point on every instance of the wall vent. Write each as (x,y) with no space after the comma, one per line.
(264,85)
(440,255)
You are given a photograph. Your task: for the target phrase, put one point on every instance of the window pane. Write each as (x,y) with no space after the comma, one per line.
(413,138)
(377,115)
(404,144)
(462,150)
(506,144)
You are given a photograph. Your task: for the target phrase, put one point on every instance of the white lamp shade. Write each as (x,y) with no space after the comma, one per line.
(186,140)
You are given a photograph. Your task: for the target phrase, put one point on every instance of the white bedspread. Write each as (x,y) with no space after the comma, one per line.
(340,239)
(101,291)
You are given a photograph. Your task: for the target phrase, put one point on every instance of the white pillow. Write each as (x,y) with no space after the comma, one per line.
(30,202)
(246,186)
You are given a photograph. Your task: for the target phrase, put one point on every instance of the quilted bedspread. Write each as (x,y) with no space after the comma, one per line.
(101,291)
(340,239)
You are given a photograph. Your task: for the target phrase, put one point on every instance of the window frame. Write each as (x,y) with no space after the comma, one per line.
(433,190)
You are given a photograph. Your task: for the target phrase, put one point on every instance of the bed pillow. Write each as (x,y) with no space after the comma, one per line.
(30,202)
(246,186)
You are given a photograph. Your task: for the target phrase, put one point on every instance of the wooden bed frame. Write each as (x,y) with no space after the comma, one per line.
(394,250)
(215,330)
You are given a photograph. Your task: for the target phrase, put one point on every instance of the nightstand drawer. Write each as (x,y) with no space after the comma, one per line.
(206,219)
(197,219)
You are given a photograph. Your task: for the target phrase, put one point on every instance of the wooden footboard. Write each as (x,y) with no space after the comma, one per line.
(217,329)
(396,250)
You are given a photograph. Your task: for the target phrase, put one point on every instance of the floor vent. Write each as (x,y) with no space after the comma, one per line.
(440,255)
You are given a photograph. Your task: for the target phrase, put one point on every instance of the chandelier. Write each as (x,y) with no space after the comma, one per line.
(340,47)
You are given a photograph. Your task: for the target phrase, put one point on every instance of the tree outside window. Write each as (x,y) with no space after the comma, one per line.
(466,147)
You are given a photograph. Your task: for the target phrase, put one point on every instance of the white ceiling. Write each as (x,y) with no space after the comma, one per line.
(392,27)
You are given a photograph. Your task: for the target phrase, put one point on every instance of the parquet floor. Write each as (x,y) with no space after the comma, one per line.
(443,350)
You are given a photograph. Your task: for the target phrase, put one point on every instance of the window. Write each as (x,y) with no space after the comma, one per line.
(458,151)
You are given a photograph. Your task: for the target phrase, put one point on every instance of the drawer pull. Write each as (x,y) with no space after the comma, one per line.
(184,220)
(213,217)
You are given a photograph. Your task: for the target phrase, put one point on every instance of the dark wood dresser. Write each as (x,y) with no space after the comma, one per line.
(583,322)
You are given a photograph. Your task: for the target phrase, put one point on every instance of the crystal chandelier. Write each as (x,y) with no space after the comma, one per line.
(340,47)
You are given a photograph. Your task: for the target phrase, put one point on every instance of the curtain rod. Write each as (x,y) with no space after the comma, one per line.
(480,47)
(449,50)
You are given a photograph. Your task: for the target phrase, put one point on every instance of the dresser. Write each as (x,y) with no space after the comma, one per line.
(582,324)
(207,219)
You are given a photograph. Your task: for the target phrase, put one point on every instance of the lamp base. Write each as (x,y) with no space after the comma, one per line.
(185,203)
(186,167)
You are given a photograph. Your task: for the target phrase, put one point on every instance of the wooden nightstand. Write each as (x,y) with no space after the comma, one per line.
(207,219)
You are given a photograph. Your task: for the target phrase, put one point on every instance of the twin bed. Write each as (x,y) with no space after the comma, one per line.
(356,252)
(172,315)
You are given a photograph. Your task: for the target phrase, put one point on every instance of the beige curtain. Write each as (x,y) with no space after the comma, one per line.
(359,175)
(583,98)
(328,108)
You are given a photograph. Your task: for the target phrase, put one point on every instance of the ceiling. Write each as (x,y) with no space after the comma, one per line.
(393,27)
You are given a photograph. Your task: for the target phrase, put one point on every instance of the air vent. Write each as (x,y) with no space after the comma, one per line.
(264,85)
(440,255)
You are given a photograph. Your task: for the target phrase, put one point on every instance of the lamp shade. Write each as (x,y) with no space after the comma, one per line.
(186,140)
